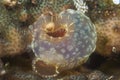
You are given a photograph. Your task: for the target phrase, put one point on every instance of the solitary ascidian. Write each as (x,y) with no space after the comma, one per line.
(62,41)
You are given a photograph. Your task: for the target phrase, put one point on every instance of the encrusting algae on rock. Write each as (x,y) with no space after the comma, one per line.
(108,42)
(13,38)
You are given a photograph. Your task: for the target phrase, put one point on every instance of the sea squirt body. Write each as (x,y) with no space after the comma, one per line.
(61,42)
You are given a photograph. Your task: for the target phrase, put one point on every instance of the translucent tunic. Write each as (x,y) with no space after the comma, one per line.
(65,51)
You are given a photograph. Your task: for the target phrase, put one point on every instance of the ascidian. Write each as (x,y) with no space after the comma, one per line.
(61,41)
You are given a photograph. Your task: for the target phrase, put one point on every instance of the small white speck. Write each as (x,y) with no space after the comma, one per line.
(74,53)
(86,41)
(69,47)
(75,35)
(45,41)
(41,49)
(57,46)
(83,46)
(114,49)
(49,43)
(82,32)
(79,58)
(70,11)
(93,43)
(67,56)
(63,44)
(63,50)
(76,49)
(79,42)
(79,53)
(59,37)
(2,72)
(35,30)
(35,44)
(90,48)
(87,50)
(52,50)
(85,37)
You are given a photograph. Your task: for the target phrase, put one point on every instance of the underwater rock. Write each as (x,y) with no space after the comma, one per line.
(15,42)
(10,3)
(62,42)
(108,33)
(108,43)
(43,6)
(75,77)
(2,70)
(20,75)
(102,9)
(98,75)
(13,38)
(23,75)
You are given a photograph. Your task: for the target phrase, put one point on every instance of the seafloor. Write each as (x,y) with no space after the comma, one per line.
(103,64)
